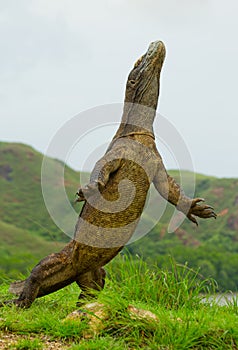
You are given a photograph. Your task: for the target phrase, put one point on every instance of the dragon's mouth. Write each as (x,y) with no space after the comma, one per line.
(153,51)
(138,62)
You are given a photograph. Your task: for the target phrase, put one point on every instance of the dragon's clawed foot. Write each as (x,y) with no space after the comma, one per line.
(9,302)
(201,210)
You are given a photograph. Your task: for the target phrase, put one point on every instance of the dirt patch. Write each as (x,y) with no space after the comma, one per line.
(218,192)
(232,222)
(186,238)
(5,172)
(8,340)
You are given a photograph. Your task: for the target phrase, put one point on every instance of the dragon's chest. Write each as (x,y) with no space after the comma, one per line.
(110,217)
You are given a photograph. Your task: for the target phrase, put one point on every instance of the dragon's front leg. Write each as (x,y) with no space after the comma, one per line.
(101,174)
(171,191)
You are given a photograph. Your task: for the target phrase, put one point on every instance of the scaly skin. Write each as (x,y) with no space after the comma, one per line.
(115,197)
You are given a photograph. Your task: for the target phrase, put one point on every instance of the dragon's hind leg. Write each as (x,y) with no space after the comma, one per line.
(89,282)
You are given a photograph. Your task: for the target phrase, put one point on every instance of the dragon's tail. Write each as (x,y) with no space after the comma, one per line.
(16,287)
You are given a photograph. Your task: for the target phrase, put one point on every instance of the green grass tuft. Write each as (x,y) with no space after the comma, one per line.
(27,344)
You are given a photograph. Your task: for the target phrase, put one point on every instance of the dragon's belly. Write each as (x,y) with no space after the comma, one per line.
(109,218)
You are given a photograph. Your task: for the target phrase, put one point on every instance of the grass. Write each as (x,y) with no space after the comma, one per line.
(173,296)
(25,344)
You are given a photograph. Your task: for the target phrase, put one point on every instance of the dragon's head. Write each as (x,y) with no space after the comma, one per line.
(143,81)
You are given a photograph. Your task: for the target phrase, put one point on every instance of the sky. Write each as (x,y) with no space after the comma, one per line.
(60,58)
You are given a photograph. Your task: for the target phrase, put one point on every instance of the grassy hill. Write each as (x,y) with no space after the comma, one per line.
(20,250)
(28,233)
(21,200)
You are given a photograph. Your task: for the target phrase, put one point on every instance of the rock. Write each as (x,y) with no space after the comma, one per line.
(136,313)
(97,313)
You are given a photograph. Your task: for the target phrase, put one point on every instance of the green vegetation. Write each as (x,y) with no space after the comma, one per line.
(27,344)
(21,200)
(28,233)
(20,250)
(212,246)
(174,296)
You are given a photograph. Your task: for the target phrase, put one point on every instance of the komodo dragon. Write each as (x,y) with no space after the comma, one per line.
(115,197)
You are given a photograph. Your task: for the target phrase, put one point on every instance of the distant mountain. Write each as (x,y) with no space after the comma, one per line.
(28,233)
(21,200)
(20,249)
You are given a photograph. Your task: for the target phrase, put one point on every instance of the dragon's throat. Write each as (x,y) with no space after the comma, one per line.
(136,119)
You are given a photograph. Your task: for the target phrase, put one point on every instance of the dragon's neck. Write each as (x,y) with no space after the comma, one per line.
(136,119)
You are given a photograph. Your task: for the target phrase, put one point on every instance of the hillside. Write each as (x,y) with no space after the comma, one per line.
(21,200)
(27,232)
(21,249)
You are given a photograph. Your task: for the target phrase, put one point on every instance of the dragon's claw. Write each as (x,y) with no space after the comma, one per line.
(200,210)
(197,200)
(87,191)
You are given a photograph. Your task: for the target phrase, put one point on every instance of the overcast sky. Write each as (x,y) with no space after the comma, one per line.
(59,58)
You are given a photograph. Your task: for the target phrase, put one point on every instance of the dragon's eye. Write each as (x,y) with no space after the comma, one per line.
(132,82)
